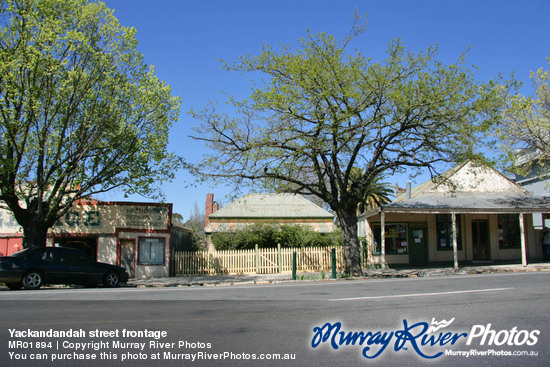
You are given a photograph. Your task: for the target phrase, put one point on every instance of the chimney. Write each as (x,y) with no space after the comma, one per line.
(408,190)
(398,190)
(209,208)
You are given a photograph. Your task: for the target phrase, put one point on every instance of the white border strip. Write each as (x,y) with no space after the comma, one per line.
(423,294)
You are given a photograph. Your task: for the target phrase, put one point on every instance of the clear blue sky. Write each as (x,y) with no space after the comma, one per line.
(185,41)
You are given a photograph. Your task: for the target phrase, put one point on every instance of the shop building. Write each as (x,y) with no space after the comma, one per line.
(468,214)
(137,236)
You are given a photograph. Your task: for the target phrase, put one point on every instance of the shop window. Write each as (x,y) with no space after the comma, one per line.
(444,228)
(509,235)
(151,251)
(395,238)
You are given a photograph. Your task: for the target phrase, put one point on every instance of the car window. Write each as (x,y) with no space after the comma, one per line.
(37,254)
(46,256)
(75,257)
(62,255)
(51,256)
(22,253)
(83,258)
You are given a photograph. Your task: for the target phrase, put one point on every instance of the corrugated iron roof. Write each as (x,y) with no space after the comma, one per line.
(506,197)
(320,227)
(470,202)
(506,186)
(272,206)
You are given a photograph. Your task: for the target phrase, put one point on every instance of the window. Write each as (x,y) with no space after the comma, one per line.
(508,231)
(151,251)
(395,238)
(74,257)
(444,228)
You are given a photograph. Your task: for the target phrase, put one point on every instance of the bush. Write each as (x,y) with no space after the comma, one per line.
(269,235)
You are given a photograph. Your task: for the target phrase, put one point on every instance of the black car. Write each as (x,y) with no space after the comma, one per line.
(31,268)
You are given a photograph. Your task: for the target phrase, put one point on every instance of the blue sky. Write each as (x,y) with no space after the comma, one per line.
(185,41)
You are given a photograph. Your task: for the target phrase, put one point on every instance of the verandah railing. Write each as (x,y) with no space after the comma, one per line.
(259,261)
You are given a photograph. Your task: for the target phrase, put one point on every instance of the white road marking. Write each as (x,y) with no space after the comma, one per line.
(423,294)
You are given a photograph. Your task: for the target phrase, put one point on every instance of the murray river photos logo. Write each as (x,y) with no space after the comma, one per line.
(427,340)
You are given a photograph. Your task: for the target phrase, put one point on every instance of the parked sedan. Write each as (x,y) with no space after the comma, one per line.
(34,267)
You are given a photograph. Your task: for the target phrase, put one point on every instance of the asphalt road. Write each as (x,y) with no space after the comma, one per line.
(497,314)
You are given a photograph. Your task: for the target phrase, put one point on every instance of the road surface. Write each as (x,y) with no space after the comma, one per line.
(498,319)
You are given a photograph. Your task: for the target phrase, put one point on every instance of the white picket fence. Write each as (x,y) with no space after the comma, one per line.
(259,261)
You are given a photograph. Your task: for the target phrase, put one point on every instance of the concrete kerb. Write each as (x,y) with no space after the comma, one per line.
(282,278)
(286,278)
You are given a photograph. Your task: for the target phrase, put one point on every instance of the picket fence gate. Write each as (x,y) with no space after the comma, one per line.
(258,261)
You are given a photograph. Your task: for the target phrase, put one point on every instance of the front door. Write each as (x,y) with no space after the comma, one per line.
(480,240)
(418,247)
(128,255)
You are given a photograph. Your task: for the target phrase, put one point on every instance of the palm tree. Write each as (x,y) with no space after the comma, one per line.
(377,193)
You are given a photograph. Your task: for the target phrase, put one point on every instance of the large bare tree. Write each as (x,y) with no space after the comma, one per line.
(320,112)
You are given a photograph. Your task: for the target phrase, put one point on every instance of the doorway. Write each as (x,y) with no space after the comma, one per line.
(480,240)
(128,255)
(418,246)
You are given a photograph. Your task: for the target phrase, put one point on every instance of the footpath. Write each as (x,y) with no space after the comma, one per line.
(259,279)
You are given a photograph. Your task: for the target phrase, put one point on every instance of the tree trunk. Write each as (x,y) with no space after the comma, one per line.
(35,234)
(352,258)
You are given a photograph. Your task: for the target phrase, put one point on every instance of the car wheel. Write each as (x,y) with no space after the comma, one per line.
(111,279)
(14,286)
(33,280)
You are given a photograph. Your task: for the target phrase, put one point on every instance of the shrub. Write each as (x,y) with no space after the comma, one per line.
(269,235)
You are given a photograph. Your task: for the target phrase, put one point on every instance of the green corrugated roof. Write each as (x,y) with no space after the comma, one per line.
(272,206)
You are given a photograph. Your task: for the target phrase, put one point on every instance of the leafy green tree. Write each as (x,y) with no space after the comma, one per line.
(81,113)
(320,111)
(525,128)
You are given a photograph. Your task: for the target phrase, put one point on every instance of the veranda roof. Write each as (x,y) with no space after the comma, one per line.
(468,203)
